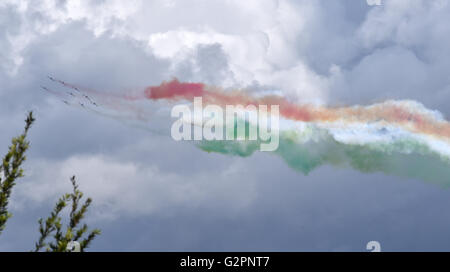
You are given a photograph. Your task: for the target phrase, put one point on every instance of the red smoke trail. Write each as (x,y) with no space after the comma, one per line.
(174,89)
(397,113)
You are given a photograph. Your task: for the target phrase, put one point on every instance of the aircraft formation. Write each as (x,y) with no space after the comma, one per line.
(83,99)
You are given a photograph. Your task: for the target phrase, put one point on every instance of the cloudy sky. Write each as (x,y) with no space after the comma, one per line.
(154,194)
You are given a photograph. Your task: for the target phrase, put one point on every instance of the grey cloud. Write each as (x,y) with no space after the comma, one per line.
(330,209)
(207,63)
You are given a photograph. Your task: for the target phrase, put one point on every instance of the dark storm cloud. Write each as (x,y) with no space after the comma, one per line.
(172,196)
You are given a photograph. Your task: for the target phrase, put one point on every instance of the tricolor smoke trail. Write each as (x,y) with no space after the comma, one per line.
(394,137)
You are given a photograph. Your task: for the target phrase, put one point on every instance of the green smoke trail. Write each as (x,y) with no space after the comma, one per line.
(313,147)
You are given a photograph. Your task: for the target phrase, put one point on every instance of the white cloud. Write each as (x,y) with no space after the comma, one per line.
(124,187)
(260,39)
(43,17)
(422,26)
(272,43)
(400,52)
(266,53)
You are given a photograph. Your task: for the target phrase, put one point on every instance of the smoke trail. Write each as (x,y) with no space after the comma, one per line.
(407,114)
(307,148)
(394,137)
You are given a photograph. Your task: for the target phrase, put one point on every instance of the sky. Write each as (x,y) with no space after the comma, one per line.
(151,193)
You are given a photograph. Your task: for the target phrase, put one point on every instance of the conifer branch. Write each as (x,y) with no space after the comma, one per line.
(11,170)
(53,224)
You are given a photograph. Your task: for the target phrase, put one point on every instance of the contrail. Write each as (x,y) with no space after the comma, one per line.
(398,137)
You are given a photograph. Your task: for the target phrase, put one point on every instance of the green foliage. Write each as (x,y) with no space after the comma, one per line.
(52,226)
(11,170)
